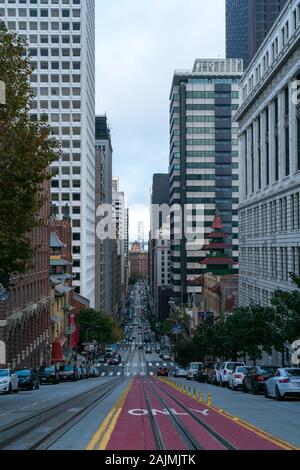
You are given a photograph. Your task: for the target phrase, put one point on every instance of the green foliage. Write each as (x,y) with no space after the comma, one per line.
(186,351)
(26,151)
(96,325)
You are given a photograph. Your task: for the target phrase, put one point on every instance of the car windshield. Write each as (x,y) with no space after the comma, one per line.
(232,365)
(242,369)
(267,370)
(47,369)
(68,368)
(4,373)
(293,372)
(23,372)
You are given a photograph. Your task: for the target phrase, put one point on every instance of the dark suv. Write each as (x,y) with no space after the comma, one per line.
(68,372)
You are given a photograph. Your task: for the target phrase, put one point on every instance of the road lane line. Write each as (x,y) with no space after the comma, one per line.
(103,427)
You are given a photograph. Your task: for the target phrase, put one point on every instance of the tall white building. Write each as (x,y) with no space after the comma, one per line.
(269,135)
(120,219)
(61,38)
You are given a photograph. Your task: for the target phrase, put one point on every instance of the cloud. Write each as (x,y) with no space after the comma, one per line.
(138,46)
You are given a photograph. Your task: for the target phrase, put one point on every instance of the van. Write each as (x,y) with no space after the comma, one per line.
(192,369)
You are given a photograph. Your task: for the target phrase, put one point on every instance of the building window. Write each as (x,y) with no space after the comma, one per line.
(276,141)
(287,132)
(259,153)
(267,149)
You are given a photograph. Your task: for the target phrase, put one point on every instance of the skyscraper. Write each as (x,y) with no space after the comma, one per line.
(247,24)
(61,39)
(203,164)
(104,268)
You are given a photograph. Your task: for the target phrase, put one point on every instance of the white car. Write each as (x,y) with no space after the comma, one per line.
(284,383)
(180,372)
(192,369)
(8,381)
(226,370)
(236,378)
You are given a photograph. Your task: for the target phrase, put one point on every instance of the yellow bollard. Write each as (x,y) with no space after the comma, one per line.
(180,388)
(189,391)
(195,394)
(200,397)
(184,389)
(209,400)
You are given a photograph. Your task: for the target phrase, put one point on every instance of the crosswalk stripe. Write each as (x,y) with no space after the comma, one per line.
(110,373)
(164,364)
(150,364)
(119,373)
(157,363)
(151,373)
(103,374)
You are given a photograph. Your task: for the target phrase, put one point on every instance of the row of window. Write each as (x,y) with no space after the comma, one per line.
(43,26)
(42,12)
(43,78)
(274,263)
(280,215)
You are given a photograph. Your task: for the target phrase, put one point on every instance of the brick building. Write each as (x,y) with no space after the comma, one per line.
(25,315)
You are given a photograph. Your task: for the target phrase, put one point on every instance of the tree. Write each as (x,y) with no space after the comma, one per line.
(26,151)
(96,325)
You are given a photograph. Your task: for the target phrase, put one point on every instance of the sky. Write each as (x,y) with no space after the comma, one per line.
(139,44)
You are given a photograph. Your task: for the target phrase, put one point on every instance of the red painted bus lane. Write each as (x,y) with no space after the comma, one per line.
(157,414)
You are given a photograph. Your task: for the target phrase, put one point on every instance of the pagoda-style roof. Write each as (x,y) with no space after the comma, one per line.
(217,223)
(216,245)
(199,281)
(216,289)
(216,235)
(55,242)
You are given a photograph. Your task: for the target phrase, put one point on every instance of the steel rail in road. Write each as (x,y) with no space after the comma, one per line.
(159,441)
(189,440)
(204,425)
(29,433)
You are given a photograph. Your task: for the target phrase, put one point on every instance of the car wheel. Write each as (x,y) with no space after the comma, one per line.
(245,390)
(17,390)
(277,394)
(233,387)
(9,389)
(221,383)
(254,390)
(266,393)
(37,385)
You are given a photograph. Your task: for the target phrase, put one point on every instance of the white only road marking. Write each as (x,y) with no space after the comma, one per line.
(110,374)
(119,373)
(164,364)
(103,374)
(106,365)
(150,364)
(120,365)
(154,412)
(151,373)
(157,363)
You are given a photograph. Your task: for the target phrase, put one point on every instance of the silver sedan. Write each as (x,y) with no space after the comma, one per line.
(284,383)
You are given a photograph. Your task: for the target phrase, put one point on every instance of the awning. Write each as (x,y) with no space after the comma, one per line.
(54,280)
(63,290)
(64,276)
(59,262)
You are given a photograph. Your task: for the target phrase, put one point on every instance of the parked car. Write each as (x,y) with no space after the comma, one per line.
(148,350)
(284,383)
(157,350)
(68,372)
(235,380)
(256,378)
(94,372)
(48,374)
(28,379)
(163,372)
(180,372)
(101,359)
(140,346)
(212,373)
(192,369)
(80,373)
(202,374)
(8,381)
(115,360)
(225,371)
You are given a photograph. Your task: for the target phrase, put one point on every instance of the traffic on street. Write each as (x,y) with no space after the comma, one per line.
(138,398)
